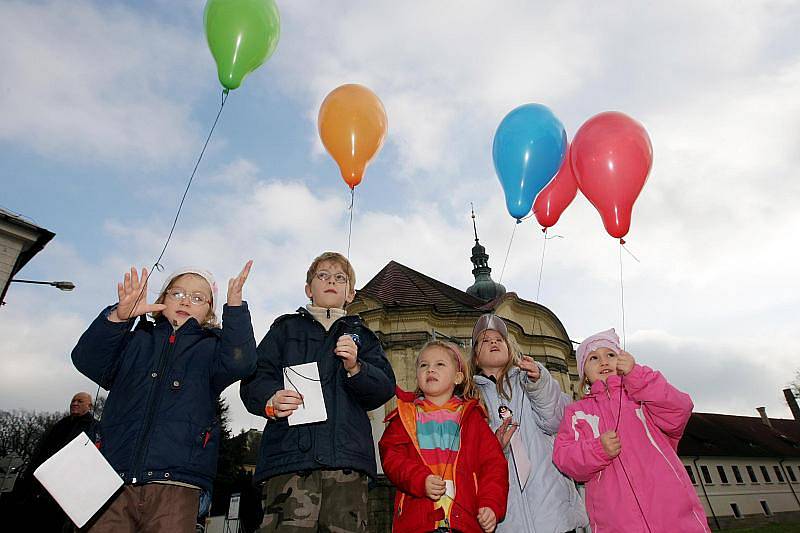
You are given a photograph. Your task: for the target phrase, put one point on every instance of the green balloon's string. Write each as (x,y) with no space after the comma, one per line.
(157,264)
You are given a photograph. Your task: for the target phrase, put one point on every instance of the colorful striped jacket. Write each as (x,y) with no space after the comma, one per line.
(480,470)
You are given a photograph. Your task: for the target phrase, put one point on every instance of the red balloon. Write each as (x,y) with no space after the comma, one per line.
(556,196)
(611,158)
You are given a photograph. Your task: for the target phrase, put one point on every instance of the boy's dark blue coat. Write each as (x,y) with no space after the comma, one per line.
(344,441)
(159,422)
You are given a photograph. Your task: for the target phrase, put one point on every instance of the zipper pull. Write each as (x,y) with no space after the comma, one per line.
(172,339)
(329,312)
(206,438)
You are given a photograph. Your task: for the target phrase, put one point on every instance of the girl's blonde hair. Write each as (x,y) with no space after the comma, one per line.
(466,389)
(210,320)
(503,382)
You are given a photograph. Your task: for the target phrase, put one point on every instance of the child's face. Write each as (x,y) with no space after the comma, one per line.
(194,288)
(336,291)
(600,364)
(492,350)
(437,373)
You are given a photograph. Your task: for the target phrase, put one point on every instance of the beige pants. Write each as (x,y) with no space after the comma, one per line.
(152,508)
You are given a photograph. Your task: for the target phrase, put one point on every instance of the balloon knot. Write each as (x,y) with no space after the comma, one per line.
(544,230)
(519,221)
(622,242)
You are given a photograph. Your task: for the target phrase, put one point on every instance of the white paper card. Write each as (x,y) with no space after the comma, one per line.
(305,380)
(79,464)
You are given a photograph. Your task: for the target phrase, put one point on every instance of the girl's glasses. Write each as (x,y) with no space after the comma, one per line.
(339,278)
(195,298)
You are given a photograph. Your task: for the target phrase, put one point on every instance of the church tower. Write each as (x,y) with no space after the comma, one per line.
(484,287)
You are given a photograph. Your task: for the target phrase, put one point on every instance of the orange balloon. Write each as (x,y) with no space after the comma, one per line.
(352,125)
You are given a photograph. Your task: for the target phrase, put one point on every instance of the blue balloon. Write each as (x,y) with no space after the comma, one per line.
(529,147)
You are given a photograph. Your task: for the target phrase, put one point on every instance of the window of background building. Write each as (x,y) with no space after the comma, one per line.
(765,507)
(765,473)
(737,474)
(736,512)
(790,472)
(778,473)
(691,474)
(751,473)
(723,477)
(706,474)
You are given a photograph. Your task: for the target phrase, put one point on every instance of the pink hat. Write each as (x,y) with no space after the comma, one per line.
(604,339)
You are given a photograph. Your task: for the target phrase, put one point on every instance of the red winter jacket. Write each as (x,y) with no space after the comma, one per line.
(481,471)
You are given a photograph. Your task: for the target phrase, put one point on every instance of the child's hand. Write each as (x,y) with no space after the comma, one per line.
(285,402)
(530,367)
(506,431)
(235,286)
(625,362)
(434,487)
(133,298)
(487,519)
(347,350)
(611,444)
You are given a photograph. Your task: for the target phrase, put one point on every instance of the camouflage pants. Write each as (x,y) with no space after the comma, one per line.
(333,501)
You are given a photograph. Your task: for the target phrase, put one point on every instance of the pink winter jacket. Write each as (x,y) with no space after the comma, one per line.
(652,416)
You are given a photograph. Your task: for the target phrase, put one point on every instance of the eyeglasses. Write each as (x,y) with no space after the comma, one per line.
(339,278)
(195,298)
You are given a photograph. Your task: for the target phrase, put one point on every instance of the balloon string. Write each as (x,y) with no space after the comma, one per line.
(541,264)
(622,243)
(350,227)
(157,265)
(503,271)
(622,296)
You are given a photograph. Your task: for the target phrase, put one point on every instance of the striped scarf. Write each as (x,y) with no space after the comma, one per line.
(439,440)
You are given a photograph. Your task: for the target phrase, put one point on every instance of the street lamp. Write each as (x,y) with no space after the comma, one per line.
(61,285)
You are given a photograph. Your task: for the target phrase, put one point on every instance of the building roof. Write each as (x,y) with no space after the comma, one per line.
(710,434)
(30,249)
(397,285)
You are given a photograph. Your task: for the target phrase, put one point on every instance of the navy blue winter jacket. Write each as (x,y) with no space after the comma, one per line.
(159,422)
(344,440)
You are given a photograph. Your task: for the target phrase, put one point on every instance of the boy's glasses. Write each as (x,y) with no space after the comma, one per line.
(339,278)
(195,298)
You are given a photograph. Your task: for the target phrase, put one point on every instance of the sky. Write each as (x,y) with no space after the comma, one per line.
(104,107)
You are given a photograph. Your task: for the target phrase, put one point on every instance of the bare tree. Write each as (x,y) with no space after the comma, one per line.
(20,431)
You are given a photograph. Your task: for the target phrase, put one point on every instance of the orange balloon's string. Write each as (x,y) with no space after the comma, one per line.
(350,227)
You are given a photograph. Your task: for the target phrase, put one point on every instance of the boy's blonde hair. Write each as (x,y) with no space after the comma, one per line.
(337,258)
(210,320)
(503,382)
(466,389)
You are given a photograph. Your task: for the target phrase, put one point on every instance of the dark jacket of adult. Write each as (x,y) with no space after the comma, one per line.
(60,435)
(159,422)
(344,440)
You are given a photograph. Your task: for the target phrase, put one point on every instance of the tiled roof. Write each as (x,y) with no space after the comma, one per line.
(398,285)
(709,434)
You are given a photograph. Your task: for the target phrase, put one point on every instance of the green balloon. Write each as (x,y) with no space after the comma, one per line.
(241,34)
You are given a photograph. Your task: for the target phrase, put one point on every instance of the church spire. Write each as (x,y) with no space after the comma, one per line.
(484,287)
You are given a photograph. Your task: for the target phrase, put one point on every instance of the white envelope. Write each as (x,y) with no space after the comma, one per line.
(305,380)
(79,465)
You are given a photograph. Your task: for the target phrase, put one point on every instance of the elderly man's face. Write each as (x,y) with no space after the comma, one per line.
(80,404)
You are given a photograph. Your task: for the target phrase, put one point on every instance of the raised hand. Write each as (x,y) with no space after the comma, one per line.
(487,519)
(529,366)
(506,431)
(611,443)
(133,298)
(625,363)
(236,284)
(434,487)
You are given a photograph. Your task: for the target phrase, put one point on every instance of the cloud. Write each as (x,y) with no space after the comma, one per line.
(97,82)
